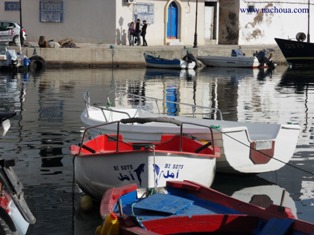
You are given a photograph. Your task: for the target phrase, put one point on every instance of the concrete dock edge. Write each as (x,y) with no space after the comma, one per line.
(106,56)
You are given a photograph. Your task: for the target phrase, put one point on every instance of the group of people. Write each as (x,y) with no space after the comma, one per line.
(136,32)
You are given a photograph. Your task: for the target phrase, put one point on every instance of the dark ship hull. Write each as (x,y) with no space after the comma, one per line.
(297,53)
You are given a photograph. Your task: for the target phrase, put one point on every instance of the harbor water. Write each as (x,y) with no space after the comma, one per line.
(47,123)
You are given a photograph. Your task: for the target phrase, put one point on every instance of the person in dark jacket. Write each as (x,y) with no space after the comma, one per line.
(138,32)
(143,33)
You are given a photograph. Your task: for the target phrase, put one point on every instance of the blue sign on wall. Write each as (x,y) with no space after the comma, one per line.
(12,6)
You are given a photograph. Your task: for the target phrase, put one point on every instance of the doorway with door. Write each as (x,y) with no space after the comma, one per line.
(172,23)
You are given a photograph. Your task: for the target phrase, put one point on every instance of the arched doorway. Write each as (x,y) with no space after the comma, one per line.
(172,24)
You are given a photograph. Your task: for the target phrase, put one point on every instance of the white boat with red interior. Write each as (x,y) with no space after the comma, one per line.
(109,160)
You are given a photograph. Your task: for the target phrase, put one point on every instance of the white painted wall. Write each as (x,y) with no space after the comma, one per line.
(156,32)
(84,21)
(99,21)
(263,28)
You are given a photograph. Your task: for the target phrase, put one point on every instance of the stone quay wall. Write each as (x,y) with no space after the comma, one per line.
(103,55)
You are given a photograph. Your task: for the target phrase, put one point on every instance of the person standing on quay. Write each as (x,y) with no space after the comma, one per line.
(138,32)
(131,33)
(143,33)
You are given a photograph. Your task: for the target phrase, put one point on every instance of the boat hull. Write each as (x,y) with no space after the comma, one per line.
(96,173)
(4,127)
(5,122)
(188,207)
(229,61)
(244,147)
(297,53)
(17,218)
(157,62)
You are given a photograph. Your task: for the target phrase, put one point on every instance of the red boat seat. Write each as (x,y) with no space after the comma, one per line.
(111,140)
(101,144)
(172,142)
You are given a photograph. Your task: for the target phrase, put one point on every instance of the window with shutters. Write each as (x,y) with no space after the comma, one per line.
(51,11)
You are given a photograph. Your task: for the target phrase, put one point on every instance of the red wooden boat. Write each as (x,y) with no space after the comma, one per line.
(190,208)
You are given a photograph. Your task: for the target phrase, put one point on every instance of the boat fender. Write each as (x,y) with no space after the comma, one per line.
(300,36)
(110,225)
(86,203)
(37,64)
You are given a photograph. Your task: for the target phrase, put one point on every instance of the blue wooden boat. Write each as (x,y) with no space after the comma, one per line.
(190,208)
(157,62)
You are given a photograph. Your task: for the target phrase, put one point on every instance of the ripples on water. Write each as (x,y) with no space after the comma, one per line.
(49,106)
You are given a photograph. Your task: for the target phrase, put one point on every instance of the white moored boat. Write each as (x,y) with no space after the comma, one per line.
(108,160)
(245,147)
(237,60)
(228,61)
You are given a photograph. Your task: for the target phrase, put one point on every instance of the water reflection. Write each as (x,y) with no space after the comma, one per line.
(237,74)
(136,88)
(254,190)
(153,73)
(48,121)
(301,82)
(12,91)
(264,74)
(51,152)
(298,79)
(172,96)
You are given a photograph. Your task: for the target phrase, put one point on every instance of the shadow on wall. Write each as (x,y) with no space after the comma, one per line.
(121,36)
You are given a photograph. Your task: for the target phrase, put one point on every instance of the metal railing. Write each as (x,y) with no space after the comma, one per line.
(147,98)
(181,125)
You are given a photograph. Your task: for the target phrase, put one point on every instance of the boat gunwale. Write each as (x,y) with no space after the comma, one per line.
(178,123)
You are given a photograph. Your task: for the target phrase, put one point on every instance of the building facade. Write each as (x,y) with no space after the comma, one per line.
(261,21)
(99,21)
(170,22)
